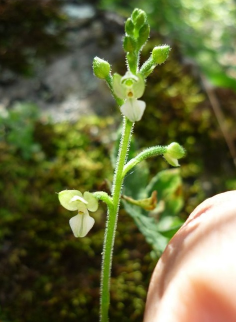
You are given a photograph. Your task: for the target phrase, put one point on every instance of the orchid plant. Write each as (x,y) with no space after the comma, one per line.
(127,91)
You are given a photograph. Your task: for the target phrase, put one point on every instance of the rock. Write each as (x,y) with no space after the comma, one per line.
(65,88)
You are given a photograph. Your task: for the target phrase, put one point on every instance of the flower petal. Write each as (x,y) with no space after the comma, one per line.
(119,89)
(133,109)
(91,200)
(81,224)
(139,87)
(172,161)
(65,198)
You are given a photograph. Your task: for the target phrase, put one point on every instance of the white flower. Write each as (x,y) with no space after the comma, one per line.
(74,200)
(130,88)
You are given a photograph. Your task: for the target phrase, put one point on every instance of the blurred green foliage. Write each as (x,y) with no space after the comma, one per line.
(29,30)
(160,224)
(17,129)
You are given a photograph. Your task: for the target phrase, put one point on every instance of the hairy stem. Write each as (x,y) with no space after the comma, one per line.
(148,153)
(112,218)
(103,196)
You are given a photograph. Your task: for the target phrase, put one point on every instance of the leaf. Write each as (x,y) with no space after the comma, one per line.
(148,226)
(168,185)
(219,78)
(168,226)
(136,181)
(160,225)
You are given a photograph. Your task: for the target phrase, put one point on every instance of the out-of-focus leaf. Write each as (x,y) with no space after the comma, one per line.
(220,79)
(168,185)
(168,226)
(136,181)
(148,226)
(159,225)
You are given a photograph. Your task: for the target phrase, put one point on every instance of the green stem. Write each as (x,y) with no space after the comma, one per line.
(147,68)
(148,153)
(103,196)
(112,218)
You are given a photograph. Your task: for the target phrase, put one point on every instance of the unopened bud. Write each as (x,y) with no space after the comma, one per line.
(144,34)
(174,151)
(129,27)
(140,19)
(160,54)
(135,14)
(101,68)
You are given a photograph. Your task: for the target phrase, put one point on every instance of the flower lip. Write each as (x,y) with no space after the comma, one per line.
(133,109)
(81,224)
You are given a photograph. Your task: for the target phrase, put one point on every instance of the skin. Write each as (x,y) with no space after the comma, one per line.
(195,279)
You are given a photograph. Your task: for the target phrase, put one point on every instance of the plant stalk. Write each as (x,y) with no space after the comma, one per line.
(112,217)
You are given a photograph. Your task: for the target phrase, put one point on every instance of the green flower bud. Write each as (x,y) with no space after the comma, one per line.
(101,68)
(129,44)
(174,151)
(129,27)
(135,14)
(140,19)
(143,34)
(160,54)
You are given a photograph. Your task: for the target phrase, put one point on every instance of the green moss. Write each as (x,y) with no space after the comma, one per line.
(47,273)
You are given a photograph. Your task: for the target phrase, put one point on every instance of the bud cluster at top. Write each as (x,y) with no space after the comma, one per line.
(137,32)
